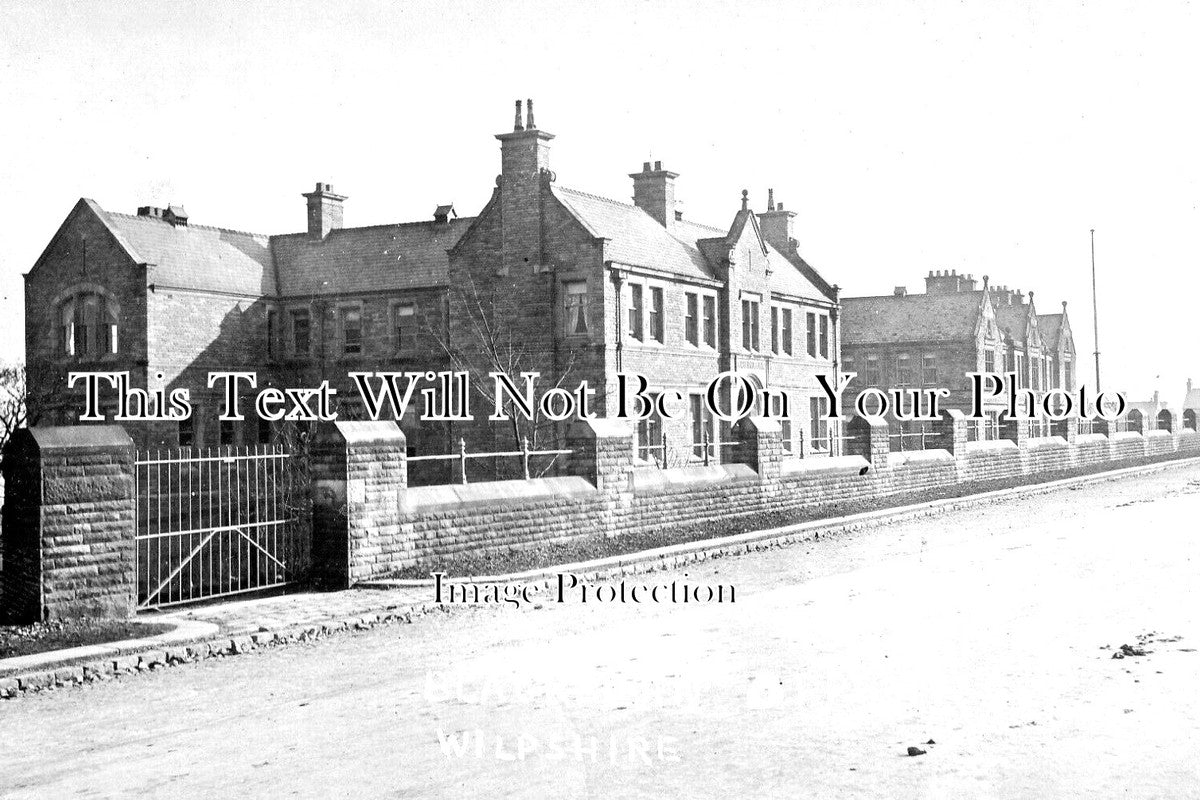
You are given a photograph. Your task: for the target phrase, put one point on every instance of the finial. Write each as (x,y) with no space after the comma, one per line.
(529,124)
(517,126)
(745,199)
(1064,306)
(985,281)
(1031,296)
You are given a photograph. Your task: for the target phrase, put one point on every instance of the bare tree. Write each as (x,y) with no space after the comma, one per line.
(491,341)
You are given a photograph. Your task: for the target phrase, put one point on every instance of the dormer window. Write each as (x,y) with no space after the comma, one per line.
(87,325)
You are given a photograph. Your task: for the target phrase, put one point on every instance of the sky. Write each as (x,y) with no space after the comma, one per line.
(984,137)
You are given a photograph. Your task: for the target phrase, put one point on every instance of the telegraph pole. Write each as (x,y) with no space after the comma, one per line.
(1095,313)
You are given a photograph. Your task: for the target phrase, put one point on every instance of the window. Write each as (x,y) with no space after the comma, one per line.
(1022,378)
(989,360)
(702,427)
(88,325)
(656,314)
(350,319)
(404,326)
(774,329)
(903,369)
(710,321)
(226,432)
(812,335)
(874,376)
(691,321)
(1068,378)
(272,332)
(786,333)
(301,332)
(750,312)
(929,375)
(575,298)
(785,423)
(650,438)
(264,431)
(635,311)
(1035,372)
(187,431)
(824,336)
(818,424)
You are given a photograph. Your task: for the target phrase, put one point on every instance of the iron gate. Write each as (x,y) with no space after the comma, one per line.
(218,521)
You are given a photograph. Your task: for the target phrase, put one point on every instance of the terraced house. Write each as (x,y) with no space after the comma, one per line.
(545,278)
(914,341)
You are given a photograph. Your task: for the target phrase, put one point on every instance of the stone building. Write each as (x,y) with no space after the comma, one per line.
(958,326)
(574,286)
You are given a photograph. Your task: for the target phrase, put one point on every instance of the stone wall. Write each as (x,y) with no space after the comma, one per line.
(609,492)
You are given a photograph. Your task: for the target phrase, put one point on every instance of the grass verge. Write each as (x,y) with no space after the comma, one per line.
(42,637)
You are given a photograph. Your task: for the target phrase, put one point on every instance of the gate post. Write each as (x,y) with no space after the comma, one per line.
(69,523)
(359,472)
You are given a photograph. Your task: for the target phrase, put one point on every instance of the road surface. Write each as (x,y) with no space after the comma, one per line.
(989,631)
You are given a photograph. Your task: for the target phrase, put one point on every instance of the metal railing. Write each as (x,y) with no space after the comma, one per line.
(462,455)
(922,437)
(708,450)
(215,521)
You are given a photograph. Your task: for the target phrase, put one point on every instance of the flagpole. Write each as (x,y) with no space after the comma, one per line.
(1095,313)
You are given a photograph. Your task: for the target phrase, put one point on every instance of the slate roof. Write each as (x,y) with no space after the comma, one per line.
(1013,320)
(196,256)
(916,317)
(381,257)
(689,249)
(636,238)
(1050,325)
(353,260)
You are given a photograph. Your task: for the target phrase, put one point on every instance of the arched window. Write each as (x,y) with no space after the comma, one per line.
(87,324)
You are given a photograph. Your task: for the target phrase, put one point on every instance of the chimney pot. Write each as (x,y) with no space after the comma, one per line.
(770,199)
(658,166)
(645,166)
(529,124)
(517,126)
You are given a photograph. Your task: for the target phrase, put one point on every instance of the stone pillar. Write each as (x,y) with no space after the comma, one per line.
(69,524)
(359,477)
(760,446)
(869,438)
(952,437)
(1017,431)
(603,454)
(1068,430)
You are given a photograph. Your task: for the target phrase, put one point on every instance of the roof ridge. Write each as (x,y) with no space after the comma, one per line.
(189,225)
(380,225)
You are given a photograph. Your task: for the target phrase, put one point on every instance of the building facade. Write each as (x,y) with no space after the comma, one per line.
(957,326)
(545,279)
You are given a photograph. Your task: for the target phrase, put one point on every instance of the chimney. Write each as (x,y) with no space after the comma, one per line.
(776,225)
(900,291)
(943,282)
(176,216)
(150,211)
(524,166)
(324,211)
(654,193)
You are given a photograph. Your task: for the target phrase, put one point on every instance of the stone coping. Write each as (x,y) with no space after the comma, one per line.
(650,481)
(432,498)
(836,465)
